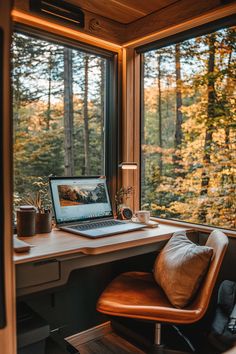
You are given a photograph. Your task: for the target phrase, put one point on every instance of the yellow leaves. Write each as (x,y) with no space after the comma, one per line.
(156,207)
(195,180)
(229,172)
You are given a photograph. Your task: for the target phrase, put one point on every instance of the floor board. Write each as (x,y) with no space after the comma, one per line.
(102,340)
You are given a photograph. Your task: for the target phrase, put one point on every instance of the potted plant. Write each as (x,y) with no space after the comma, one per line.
(40,200)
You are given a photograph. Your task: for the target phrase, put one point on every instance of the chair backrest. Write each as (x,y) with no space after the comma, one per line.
(219,242)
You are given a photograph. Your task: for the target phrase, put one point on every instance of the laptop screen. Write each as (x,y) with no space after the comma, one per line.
(79,199)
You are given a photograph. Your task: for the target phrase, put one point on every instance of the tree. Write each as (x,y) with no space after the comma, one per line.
(86,118)
(68,112)
(159,58)
(211,96)
(102,111)
(179,115)
(198,131)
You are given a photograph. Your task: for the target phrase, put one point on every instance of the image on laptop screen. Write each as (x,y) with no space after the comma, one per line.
(79,199)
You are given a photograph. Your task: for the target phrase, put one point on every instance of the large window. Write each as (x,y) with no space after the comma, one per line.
(188,135)
(61,101)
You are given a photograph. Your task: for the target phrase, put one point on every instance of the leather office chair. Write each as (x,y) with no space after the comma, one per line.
(137,295)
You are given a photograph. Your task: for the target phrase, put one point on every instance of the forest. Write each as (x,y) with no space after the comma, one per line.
(188,125)
(188,133)
(58,112)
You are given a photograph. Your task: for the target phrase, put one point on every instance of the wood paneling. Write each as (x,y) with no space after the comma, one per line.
(127,20)
(136,126)
(130,135)
(206,17)
(24,18)
(123,11)
(8,334)
(176,13)
(95,25)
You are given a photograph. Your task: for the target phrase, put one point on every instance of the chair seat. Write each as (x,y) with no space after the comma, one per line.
(137,295)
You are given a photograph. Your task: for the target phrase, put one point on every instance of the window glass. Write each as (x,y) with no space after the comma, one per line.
(188,134)
(58,112)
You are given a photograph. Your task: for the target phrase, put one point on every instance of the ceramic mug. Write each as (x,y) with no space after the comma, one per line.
(143,216)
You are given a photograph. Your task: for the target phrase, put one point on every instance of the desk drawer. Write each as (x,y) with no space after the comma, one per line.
(41,272)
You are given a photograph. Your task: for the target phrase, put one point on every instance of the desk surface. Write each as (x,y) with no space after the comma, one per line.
(60,243)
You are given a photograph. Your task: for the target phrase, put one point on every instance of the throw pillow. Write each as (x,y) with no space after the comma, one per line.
(180,267)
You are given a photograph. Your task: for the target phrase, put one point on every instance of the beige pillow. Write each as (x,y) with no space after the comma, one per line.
(180,267)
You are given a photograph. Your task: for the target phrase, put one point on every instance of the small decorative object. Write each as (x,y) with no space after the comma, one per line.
(126,213)
(43,222)
(94,25)
(26,221)
(40,201)
(122,210)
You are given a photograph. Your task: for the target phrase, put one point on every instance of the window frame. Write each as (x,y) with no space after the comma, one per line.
(201,30)
(112,97)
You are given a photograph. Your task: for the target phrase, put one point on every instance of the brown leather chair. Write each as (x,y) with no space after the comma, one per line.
(137,295)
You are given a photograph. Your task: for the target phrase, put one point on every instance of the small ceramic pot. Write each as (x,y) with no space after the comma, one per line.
(43,223)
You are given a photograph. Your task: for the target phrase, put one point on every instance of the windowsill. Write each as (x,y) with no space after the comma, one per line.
(204,228)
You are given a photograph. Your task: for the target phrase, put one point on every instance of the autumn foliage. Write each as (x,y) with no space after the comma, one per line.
(189,130)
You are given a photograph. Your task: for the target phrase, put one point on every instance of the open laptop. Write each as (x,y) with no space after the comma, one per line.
(82,206)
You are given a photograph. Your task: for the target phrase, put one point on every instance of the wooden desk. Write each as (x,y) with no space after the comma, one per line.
(53,256)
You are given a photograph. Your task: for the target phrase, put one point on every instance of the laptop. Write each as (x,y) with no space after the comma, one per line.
(82,206)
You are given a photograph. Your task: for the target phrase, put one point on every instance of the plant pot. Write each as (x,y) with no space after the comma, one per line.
(26,216)
(43,223)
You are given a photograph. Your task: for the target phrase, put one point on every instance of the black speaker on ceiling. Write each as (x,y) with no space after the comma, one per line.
(58,10)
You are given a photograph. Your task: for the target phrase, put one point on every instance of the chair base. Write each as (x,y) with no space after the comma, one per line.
(157,349)
(161,349)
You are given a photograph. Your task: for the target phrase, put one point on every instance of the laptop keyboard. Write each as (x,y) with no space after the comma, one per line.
(96,225)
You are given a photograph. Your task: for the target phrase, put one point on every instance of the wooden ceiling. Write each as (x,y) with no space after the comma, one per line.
(126,21)
(122,11)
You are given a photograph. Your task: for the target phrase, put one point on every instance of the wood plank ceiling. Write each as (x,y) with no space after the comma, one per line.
(122,21)
(123,11)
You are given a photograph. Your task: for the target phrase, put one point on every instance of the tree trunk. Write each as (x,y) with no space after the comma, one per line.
(68,112)
(160,140)
(179,115)
(211,95)
(17,101)
(48,113)
(102,95)
(86,123)
(228,178)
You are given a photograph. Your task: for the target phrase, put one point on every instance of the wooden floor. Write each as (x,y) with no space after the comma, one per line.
(102,340)
(110,343)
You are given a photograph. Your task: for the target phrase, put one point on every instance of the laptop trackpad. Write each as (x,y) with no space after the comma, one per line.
(117,229)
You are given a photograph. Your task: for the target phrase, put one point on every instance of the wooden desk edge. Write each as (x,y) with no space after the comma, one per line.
(101,245)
